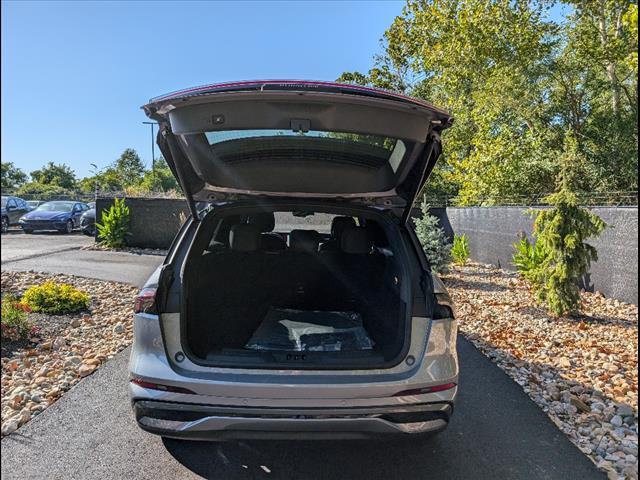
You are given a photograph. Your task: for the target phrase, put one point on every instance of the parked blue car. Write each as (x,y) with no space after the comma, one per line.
(63,216)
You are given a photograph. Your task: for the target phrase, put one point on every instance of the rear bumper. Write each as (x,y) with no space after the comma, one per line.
(205,422)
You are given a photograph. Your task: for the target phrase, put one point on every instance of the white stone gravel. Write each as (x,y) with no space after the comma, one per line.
(582,371)
(36,376)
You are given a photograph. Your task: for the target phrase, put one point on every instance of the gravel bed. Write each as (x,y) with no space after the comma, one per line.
(582,371)
(134,250)
(36,373)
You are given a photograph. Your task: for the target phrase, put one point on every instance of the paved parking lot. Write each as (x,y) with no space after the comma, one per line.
(60,253)
(17,245)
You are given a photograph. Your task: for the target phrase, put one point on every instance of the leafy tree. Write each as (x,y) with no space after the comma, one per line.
(12,176)
(126,171)
(60,175)
(108,181)
(42,191)
(129,167)
(516,83)
(162,180)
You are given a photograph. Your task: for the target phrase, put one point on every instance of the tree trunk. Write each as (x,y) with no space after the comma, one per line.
(611,66)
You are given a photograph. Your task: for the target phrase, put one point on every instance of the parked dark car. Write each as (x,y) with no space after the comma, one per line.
(12,209)
(88,221)
(33,204)
(63,216)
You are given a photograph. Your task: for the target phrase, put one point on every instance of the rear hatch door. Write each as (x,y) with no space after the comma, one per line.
(298,140)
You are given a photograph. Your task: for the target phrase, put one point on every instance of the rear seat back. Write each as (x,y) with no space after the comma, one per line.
(269,242)
(338,225)
(226,279)
(304,241)
(354,271)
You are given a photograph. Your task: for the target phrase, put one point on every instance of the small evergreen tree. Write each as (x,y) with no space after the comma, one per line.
(561,233)
(433,239)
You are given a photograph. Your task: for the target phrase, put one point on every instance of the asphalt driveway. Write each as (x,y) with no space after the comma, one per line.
(496,432)
(59,253)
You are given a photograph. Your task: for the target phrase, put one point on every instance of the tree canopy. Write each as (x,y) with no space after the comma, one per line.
(59,175)
(12,177)
(518,84)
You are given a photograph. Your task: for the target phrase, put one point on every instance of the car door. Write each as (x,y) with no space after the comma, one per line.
(12,211)
(23,208)
(77,213)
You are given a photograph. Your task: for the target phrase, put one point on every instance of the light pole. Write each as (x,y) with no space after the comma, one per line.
(95,174)
(153,153)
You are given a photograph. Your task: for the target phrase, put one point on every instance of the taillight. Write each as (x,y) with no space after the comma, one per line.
(146,301)
(443,307)
(158,386)
(422,391)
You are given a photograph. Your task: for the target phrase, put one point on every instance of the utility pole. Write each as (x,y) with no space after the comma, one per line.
(153,153)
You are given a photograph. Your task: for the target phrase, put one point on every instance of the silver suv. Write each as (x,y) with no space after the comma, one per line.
(299,302)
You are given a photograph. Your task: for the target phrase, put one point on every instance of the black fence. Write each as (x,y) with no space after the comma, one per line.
(588,199)
(492,231)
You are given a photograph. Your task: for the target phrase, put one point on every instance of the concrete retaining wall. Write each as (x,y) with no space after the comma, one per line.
(154,221)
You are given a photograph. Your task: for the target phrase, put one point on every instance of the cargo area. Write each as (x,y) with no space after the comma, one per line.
(257,293)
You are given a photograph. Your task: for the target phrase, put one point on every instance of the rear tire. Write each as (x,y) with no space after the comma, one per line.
(28,232)
(5,224)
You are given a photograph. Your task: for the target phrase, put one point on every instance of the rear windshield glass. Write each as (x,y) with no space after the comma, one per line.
(56,207)
(242,145)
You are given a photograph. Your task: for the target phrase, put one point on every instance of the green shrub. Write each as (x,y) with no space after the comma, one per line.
(114,229)
(433,239)
(460,249)
(55,298)
(528,259)
(15,324)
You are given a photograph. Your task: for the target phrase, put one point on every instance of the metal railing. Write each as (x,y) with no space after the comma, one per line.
(587,199)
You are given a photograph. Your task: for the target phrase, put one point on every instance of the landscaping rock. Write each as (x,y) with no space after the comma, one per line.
(35,376)
(582,371)
(86,369)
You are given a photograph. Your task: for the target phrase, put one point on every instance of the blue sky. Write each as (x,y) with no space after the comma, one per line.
(74,74)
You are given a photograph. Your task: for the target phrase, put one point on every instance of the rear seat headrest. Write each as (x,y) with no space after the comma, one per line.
(356,240)
(338,225)
(244,237)
(304,241)
(265,221)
